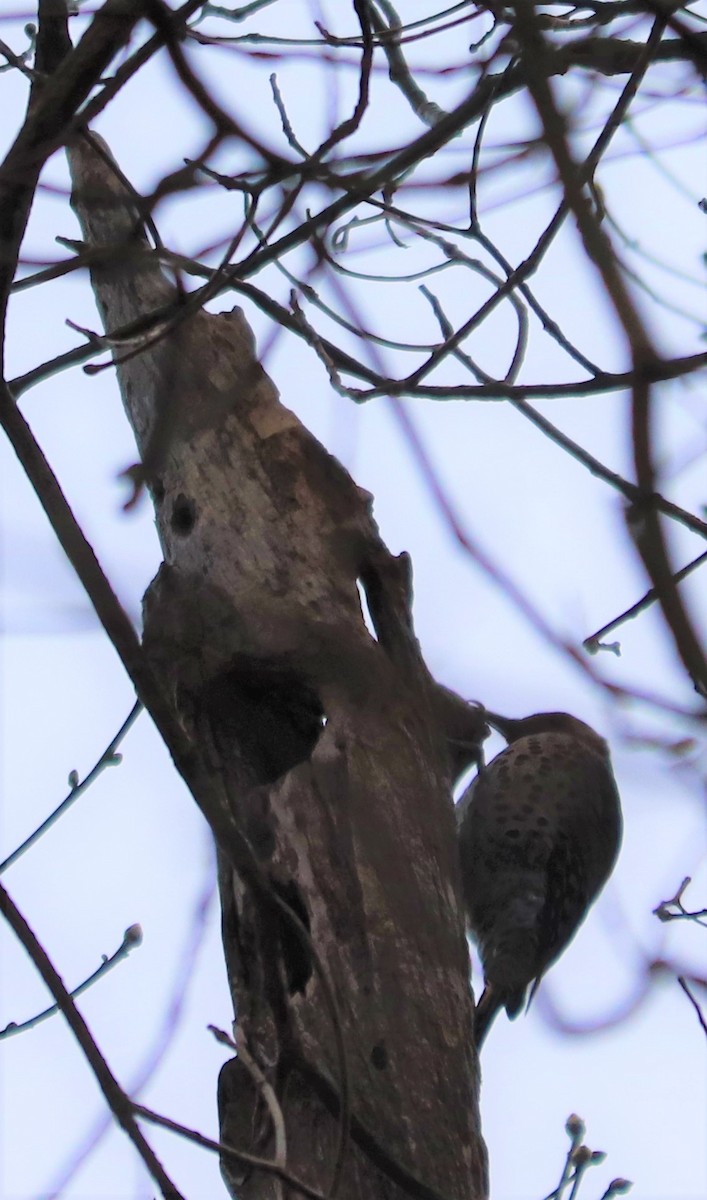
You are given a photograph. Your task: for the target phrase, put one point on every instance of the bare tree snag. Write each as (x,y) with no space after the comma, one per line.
(332,746)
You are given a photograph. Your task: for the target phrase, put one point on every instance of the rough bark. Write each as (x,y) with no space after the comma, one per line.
(332,745)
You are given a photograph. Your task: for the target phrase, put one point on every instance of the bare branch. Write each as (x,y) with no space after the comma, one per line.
(109,758)
(648,533)
(118,1102)
(131,938)
(226,1151)
(700,1015)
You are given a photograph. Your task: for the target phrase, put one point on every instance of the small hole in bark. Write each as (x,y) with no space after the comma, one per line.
(157,489)
(379,1057)
(183,515)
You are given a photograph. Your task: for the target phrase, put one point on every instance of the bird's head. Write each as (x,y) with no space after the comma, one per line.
(514,728)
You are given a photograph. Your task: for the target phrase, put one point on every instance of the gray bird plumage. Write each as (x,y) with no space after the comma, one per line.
(539,833)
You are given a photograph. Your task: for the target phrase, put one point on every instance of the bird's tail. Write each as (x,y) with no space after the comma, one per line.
(493,999)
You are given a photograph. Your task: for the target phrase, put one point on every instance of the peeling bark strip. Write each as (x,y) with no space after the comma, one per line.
(329,744)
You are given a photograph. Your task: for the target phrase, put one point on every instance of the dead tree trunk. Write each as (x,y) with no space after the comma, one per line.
(334,750)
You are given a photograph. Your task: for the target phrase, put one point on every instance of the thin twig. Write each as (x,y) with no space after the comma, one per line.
(177,996)
(664,911)
(107,759)
(399,72)
(648,533)
(131,938)
(700,1015)
(594,642)
(228,1151)
(264,1087)
(116,1098)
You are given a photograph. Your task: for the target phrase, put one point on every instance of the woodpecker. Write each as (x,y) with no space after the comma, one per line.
(539,833)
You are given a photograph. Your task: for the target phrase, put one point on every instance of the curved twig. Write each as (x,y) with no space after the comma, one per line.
(131,938)
(116,1098)
(107,759)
